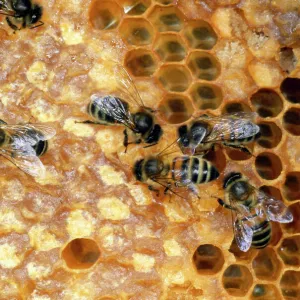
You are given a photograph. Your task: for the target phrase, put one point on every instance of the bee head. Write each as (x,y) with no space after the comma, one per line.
(143,122)
(35,14)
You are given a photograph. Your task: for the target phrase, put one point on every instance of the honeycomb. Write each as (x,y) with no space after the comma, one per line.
(88,230)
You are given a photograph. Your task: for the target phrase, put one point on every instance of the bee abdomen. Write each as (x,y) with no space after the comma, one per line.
(262,234)
(98,114)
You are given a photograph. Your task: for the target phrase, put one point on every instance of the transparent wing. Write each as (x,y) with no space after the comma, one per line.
(126,87)
(274,209)
(5,8)
(24,157)
(226,127)
(115,108)
(29,133)
(243,234)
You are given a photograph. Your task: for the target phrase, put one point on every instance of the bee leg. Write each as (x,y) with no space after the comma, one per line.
(150,145)
(11,25)
(167,188)
(151,188)
(87,122)
(222,203)
(125,141)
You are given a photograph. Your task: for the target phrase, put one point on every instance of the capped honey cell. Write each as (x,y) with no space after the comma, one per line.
(174,78)
(204,65)
(136,31)
(105,15)
(208,259)
(200,35)
(237,280)
(206,95)
(175,109)
(168,18)
(170,47)
(287,59)
(140,62)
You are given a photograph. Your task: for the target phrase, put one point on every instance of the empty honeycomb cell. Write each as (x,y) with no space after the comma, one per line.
(81,253)
(136,31)
(268,165)
(218,158)
(170,47)
(237,280)
(293,227)
(291,121)
(267,103)
(289,251)
(265,292)
(208,259)
(206,95)
(204,65)
(235,107)
(140,62)
(104,15)
(266,265)
(287,59)
(290,88)
(175,109)
(271,191)
(291,188)
(270,135)
(168,18)
(289,284)
(174,78)
(135,7)
(237,155)
(200,35)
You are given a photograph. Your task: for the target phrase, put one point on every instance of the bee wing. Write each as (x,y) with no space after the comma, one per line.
(24,157)
(5,9)
(115,108)
(126,87)
(243,234)
(30,133)
(274,209)
(231,126)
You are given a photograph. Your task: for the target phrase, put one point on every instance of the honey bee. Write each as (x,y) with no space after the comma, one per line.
(22,11)
(232,130)
(24,144)
(252,210)
(184,171)
(113,110)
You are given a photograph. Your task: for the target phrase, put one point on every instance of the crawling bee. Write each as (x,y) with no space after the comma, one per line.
(184,171)
(23,144)
(21,11)
(113,110)
(232,130)
(253,210)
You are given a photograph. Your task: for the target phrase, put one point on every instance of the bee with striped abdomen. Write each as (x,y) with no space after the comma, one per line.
(23,144)
(253,210)
(184,171)
(232,130)
(125,107)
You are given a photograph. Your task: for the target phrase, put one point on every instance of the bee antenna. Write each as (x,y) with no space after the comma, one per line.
(172,144)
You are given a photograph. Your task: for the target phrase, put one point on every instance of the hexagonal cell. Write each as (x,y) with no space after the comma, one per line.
(237,280)
(270,135)
(208,259)
(289,251)
(135,7)
(218,159)
(105,15)
(239,254)
(266,264)
(293,227)
(271,191)
(287,59)
(170,47)
(204,65)
(235,154)
(267,103)
(200,35)
(235,107)
(167,18)
(136,31)
(290,88)
(81,253)
(175,109)
(268,165)
(265,292)
(291,121)
(289,284)
(291,186)
(206,95)
(140,62)
(174,78)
